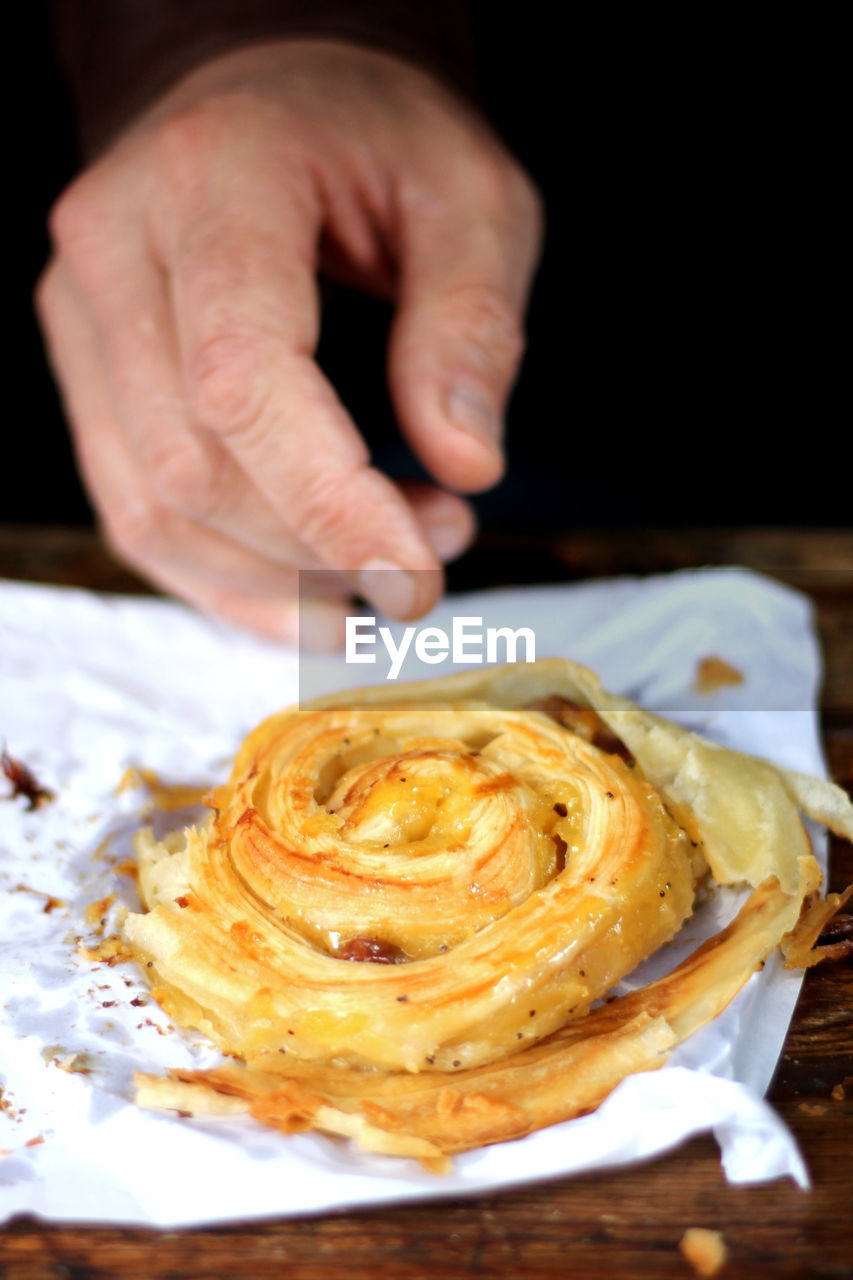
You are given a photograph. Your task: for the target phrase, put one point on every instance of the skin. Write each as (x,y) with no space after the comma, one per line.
(181,314)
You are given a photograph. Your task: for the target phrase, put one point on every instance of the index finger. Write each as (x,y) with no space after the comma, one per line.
(246,314)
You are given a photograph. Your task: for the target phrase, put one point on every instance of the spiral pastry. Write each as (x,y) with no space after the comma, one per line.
(407,903)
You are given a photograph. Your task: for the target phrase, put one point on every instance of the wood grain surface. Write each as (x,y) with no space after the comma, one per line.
(621,1224)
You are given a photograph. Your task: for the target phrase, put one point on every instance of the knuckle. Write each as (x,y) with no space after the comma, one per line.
(44,293)
(186,150)
(183,137)
(518,183)
(183,479)
(487,322)
(134,531)
(227,384)
(498,173)
(76,217)
(326,509)
(528,202)
(507,189)
(185,141)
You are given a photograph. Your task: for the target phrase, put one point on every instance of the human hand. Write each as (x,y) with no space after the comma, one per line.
(181,316)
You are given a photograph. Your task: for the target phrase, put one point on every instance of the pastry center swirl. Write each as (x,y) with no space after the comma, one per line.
(493,872)
(351,829)
(412,840)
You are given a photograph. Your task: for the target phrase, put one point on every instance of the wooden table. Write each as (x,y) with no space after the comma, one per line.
(626,1224)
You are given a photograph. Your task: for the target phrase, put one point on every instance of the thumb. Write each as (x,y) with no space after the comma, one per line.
(466,265)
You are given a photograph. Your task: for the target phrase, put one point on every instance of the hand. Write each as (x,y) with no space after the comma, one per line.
(181,316)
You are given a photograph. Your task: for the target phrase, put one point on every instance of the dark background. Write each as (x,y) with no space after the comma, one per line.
(681,349)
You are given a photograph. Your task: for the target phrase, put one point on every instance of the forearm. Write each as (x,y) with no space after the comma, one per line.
(119,55)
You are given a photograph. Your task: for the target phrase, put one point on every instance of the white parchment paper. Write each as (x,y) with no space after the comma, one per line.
(91,686)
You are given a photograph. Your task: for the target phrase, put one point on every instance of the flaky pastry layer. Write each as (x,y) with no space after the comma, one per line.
(408,899)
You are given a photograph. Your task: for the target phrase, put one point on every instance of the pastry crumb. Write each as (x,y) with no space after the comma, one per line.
(109,951)
(166,796)
(704,1249)
(95,911)
(713,672)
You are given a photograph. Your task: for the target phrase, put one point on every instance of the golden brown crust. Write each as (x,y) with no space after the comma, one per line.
(504,870)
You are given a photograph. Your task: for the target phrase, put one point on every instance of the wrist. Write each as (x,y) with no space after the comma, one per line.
(119,57)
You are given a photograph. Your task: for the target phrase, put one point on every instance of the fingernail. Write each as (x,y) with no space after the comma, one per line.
(447,540)
(469,410)
(387,586)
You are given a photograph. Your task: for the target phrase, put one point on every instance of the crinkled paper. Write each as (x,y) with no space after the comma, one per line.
(94,686)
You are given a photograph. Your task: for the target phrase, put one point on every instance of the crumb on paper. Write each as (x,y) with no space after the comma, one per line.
(7,1107)
(96,911)
(166,796)
(128,781)
(127,867)
(102,852)
(24,782)
(109,951)
(51,903)
(76,1063)
(704,1249)
(161,1030)
(713,672)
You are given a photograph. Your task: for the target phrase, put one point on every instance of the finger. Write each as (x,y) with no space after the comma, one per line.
(447,520)
(208,570)
(189,470)
(466,260)
(246,315)
(314,624)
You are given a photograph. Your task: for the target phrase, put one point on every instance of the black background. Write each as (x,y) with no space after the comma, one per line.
(682,341)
